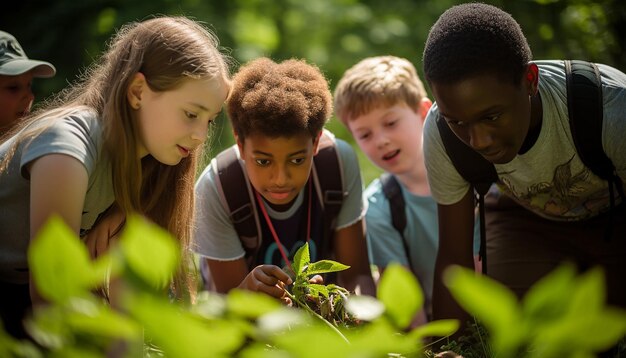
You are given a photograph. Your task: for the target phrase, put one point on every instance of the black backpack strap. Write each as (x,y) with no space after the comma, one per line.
(586,112)
(327,174)
(393,193)
(476,170)
(239,203)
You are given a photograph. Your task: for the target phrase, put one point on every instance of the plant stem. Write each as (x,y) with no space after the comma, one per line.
(306,307)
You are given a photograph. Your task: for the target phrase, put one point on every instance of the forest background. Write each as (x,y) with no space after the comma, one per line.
(333,34)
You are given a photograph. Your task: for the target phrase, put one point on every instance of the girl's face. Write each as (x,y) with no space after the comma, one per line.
(278,168)
(174,123)
(391,137)
(16,98)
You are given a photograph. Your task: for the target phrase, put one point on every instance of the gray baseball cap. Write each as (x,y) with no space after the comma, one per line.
(13,60)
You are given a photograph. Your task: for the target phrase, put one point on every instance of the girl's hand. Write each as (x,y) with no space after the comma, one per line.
(106,231)
(268,279)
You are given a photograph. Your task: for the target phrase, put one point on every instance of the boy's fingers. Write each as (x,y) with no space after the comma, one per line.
(277,273)
(317,279)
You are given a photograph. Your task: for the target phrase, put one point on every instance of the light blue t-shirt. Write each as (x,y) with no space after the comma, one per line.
(422,233)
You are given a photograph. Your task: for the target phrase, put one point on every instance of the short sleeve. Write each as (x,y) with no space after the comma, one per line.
(214,235)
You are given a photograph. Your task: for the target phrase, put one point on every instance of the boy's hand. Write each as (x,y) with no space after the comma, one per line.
(268,279)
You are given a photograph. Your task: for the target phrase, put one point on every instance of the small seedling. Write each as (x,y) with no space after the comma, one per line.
(325,301)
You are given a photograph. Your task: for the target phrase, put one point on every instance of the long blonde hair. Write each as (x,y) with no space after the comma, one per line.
(168,51)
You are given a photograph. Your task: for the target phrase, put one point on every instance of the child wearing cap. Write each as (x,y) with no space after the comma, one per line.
(16,76)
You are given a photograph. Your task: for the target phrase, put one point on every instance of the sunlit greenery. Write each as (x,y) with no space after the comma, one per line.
(334,34)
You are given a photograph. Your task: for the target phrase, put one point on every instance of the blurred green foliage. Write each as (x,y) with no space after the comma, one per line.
(333,34)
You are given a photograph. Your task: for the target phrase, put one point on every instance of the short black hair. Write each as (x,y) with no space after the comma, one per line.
(475,39)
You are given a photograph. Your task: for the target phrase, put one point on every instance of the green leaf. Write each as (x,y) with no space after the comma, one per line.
(150,251)
(301,259)
(97,319)
(590,331)
(590,292)
(365,308)
(549,297)
(380,339)
(325,266)
(282,320)
(492,303)
(401,294)
(440,328)
(315,290)
(60,263)
(326,342)
(181,334)
(250,304)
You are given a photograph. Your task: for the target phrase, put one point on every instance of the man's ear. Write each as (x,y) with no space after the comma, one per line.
(531,78)
(135,90)
(316,142)
(425,105)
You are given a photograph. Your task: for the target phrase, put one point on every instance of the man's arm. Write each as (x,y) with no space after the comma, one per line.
(456,223)
(351,250)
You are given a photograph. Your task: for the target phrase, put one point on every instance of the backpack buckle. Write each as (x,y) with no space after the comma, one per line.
(241,214)
(333,197)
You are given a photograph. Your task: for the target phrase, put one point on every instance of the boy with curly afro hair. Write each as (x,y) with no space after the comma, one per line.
(278,112)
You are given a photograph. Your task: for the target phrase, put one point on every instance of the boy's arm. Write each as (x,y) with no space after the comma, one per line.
(456,223)
(351,250)
(234,274)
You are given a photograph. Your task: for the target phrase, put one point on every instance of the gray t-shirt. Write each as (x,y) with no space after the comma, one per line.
(214,234)
(78,135)
(550,178)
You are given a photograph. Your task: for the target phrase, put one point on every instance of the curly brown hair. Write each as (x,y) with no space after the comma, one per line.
(279,99)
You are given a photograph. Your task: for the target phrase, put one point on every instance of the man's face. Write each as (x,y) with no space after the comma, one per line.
(16,98)
(487,114)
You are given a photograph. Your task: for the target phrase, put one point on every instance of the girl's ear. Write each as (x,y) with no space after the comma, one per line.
(135,90)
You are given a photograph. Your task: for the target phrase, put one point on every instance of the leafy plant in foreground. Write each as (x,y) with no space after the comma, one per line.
(77,322)
(561,316)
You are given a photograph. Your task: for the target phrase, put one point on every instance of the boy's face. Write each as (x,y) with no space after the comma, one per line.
(16,98)
(278,168)
(487,114)
(391,137)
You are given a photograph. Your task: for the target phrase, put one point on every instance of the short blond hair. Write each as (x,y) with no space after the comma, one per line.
(376,82)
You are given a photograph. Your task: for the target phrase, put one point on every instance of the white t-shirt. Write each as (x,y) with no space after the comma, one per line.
(214,234)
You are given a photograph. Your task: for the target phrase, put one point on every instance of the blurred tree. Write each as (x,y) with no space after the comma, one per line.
(333,34)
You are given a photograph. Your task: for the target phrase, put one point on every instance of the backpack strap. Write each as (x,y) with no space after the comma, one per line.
(239,204)
(393,193)
(585,108)
(329,186)
(476,170)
